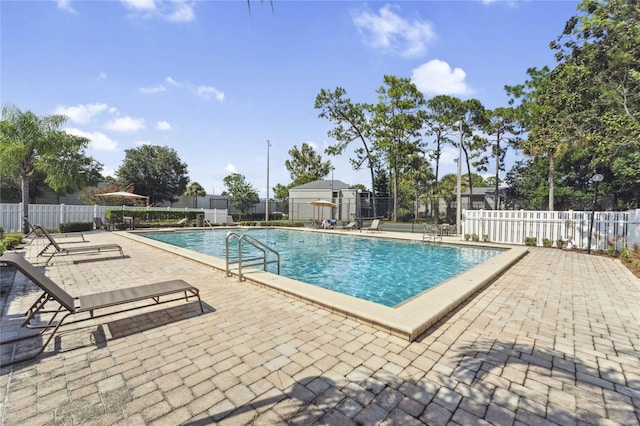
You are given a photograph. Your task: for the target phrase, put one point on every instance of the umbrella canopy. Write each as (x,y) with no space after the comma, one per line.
(323,203)
(123,194)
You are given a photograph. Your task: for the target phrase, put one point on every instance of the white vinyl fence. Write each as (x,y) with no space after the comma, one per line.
(52,215)
(618,229)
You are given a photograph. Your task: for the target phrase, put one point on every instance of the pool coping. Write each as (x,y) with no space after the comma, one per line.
(407,320)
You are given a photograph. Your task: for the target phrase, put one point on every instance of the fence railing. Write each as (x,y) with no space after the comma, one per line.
(52,215)
(617,229)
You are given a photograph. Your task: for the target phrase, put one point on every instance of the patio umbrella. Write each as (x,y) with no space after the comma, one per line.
(123,194)
(322,203)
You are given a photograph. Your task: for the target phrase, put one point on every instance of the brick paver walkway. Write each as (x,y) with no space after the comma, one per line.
(555,340)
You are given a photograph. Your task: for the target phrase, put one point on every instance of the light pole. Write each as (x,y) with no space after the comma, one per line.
(459,185)
(266,206)
(332,169)
(595,179)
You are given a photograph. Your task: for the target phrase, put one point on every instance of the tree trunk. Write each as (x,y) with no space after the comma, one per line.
(496,196)
(466,158)
(373,192)
(25,203)
(395,195)
(551,175)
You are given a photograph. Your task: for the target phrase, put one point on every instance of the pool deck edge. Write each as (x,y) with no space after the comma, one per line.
(407,320)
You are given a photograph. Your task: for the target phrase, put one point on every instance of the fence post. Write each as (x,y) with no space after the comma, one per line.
(633,227)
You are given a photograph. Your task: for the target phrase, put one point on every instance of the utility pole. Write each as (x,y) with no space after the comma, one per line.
(266,207)
(459,184)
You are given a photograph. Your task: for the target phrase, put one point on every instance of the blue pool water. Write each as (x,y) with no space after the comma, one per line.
(387,272)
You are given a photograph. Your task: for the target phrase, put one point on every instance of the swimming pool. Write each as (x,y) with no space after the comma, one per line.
(383,271)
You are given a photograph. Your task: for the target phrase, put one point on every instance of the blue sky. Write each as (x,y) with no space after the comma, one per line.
(215,81)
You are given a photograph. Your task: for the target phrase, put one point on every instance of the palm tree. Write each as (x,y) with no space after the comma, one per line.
(29,142)
(195,190)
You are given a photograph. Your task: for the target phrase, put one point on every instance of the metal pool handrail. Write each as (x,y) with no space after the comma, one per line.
(260,260)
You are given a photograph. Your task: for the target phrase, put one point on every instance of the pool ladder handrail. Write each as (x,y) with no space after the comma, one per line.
(241,261)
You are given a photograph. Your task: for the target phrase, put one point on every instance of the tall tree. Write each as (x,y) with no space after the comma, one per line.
(541,115)
(29,142)
(421,178)
(70,170)
(470,118)
(600,51)
(439,127)
(306,165)
(243,194)
(155,171)
(195,190)
(352,124)
(502,128)
(590,102)
(398,119)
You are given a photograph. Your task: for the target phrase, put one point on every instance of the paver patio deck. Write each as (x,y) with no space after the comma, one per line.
(555,340)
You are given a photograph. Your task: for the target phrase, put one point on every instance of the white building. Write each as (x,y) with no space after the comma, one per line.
(349,201)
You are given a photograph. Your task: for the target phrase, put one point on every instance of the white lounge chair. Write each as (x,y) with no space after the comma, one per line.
(374,227)
(348,227)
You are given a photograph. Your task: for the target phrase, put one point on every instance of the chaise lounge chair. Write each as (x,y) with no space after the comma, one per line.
(70,305)
(348,227)
(75,249)
(36,233)
(375,226)
(230,221)
(182,222)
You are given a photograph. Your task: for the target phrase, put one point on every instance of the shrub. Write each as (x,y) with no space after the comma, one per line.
(76,226)
(626,254)
(559,243)
(12,240)
(2,249)
(474,237)
(547,242)
(467,237)
(530,241)
(485,237)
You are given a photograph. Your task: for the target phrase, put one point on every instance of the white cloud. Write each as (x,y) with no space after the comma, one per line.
(163,125)
(99,141)
(205,92)
(393,34)
(172,82)
(140,5)
(152,90)
(437,77)
(208,91)
(182,12)
(169,10)
(125,124)
(509,3)
(66,6)
(102,76)
(230,168)
(81,114)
